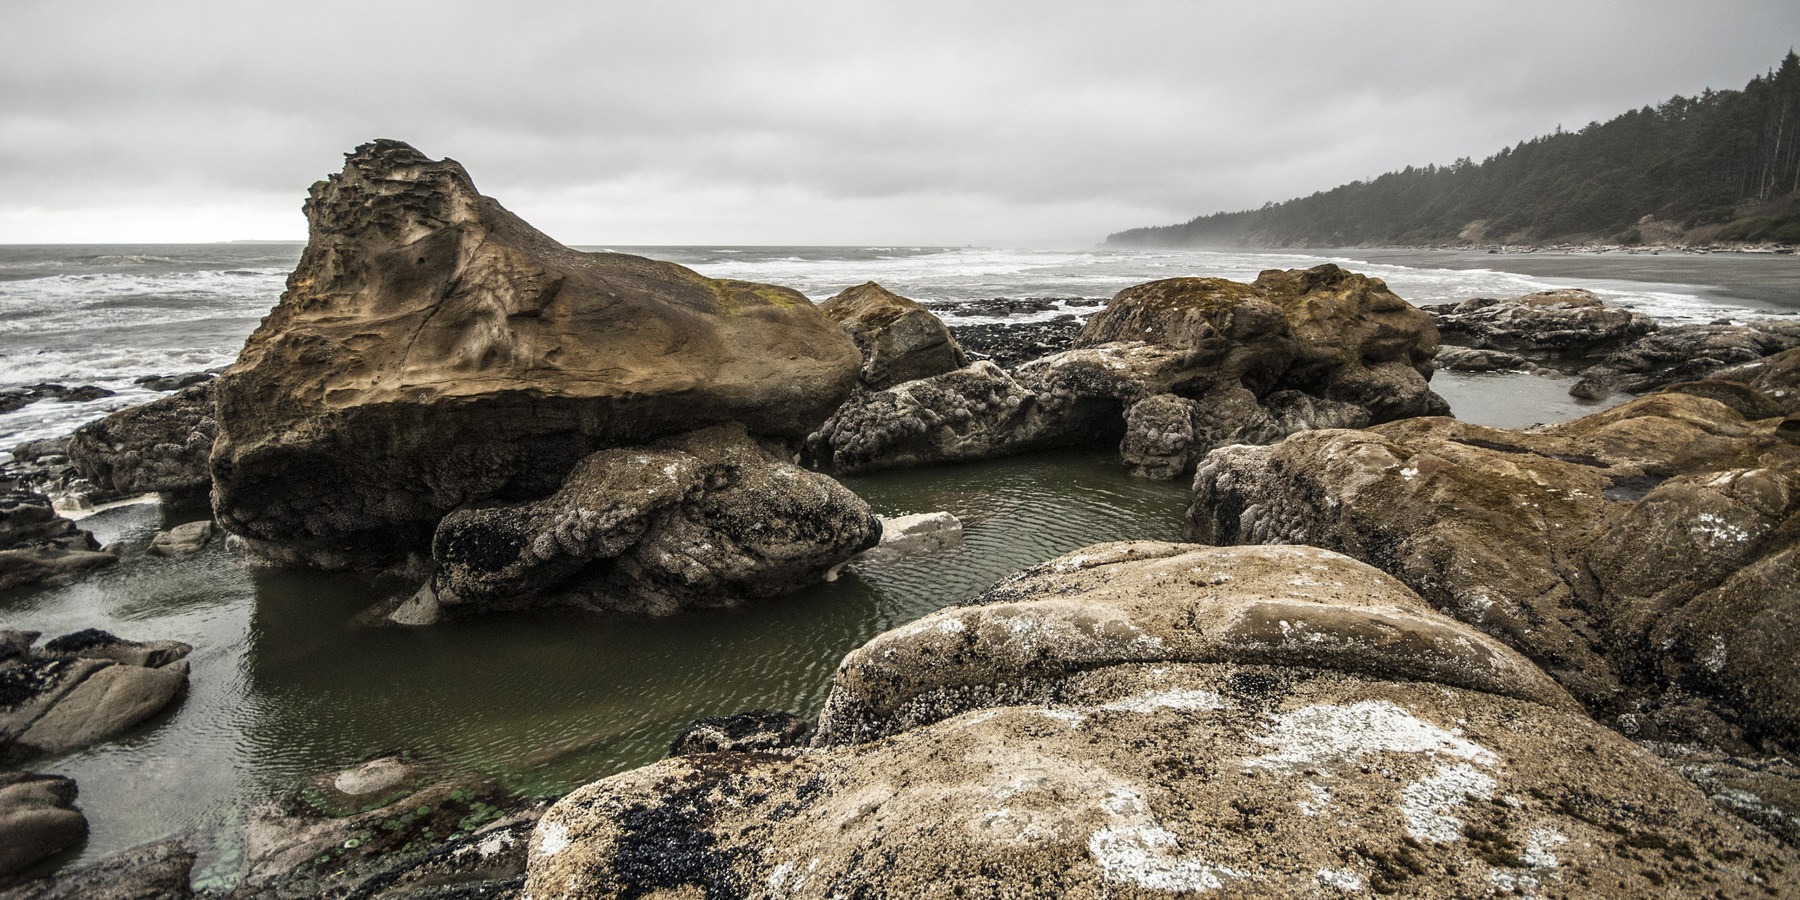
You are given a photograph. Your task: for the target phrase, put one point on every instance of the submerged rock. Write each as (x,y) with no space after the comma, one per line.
(899,339)
(1238,361)
(1637,553)
(159,447)
(84,688)
(432,350)
(38,820)
(1166,719)
(703,520)
(916,535)
(759,730)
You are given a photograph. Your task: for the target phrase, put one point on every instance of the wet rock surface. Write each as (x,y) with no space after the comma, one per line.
(708,519)
(1243,353)
(433,350)
(159,447)
(39,546)
(159,871)
(1636,554)
(82,689)
(182,540)
(899,339)
(38,820)
(758,730)
(1008,344)
(1562,321)
(1686,353)
(1236,756)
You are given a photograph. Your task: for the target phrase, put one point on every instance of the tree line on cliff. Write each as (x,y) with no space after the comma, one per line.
(1724,165)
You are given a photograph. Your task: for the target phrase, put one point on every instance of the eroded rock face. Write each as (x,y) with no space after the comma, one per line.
(1247,758)
(707,519)
(1636,554)
(899,339)
(1569,320)
(1686,353)
(1238,362)
(159,447)
(433,350)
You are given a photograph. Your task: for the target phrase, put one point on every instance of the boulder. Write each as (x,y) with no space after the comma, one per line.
(1255,360)
(1634,553)
(1469,359)
(84,688)
(899,339)
(38,546)
(1165,719)
(160,871)
(159,447)
(707,519)
(182,540)
(1776,377)
(1567,320)
(916,535)
(38,819)
(1687,353)
(432,350)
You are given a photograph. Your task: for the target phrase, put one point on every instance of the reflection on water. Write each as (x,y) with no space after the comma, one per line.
(284,688)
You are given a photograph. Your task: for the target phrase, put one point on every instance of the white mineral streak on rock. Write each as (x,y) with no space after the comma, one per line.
(1340,879)
(553,838)
(1326,735)
(1134,849)
(1180,698)
(1428,803)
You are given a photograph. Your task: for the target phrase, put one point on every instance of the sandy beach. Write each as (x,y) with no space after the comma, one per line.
(1762,278)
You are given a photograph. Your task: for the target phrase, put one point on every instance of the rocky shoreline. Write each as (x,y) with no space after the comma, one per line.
(1405,654)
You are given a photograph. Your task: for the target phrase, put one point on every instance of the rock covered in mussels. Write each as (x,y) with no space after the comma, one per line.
(1637,554)
(1296,349)
(158,447)
(899,339)
(434,350)
(1278,722)
(706,519)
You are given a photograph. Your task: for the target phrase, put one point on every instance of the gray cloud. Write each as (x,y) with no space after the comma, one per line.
(809,123)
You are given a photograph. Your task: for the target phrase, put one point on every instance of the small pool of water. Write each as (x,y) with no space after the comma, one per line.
(284,688)
(1514,400)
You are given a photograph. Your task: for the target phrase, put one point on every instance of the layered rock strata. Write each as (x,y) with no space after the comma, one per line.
(39,546)
(1146,719)
(1218,361)
(432,350)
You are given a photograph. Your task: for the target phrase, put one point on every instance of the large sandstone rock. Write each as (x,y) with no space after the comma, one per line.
(1216,361)
(1277,722)
(159,447)
(433,350)
(82,689)
(38,819)
(1637,554)
(899,339)
(707,519)
(1568,320)
(38,546)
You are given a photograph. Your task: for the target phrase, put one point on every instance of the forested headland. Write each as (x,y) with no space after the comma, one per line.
(1723,166)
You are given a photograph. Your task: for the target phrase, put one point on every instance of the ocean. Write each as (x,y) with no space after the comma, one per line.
(285,690)
(107,315)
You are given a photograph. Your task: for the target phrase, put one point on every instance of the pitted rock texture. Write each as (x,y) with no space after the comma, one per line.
(710,518)
(899,339)
(159,447)
(433,350)
(1568,320)
(1637,554)
(1296,349)
(1273,771)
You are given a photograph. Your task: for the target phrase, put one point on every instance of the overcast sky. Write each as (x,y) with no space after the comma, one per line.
(1018,124)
